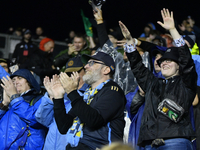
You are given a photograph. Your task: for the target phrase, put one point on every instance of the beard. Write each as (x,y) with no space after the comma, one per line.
(92,76)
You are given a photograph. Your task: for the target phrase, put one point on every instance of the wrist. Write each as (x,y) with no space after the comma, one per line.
(58,96)
(99,21)
(69,91)
(5,103)
(3,107)
(142,94)
(14,96)
(172,30)
(135,41)
(130,42)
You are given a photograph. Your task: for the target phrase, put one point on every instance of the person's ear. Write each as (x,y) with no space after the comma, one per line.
(106,70)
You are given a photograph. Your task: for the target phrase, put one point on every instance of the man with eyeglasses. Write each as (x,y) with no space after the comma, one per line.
(98,114)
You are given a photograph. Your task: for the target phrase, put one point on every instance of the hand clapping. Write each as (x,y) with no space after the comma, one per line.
(69,83)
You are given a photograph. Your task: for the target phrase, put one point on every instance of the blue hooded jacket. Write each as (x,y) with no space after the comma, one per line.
(18,126)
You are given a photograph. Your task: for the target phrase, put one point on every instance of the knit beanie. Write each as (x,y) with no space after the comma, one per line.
(44,41)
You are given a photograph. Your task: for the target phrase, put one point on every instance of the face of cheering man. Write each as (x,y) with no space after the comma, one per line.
(78,43)
(169,68)
(93,71)
(96,72)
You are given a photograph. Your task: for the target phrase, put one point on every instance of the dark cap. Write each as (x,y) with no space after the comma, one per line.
(74,64)
(4,60)
(27,31)
(101,56)
(171,53)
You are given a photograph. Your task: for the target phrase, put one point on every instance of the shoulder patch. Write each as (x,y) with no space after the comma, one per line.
(114,88)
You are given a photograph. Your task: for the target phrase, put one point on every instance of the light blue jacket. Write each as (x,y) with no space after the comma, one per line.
(45,115)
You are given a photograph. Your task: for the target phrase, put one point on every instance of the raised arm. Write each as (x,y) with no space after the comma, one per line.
(168,23)
(101,30)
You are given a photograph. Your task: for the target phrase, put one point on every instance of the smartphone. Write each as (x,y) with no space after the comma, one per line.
(96,3)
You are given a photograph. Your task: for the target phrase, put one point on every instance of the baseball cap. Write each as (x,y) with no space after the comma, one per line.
(27,31)
(74,64)
(171,53)
(101,56)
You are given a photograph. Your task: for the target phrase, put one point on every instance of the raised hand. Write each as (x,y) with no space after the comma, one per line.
(56,87)
(69,83)
(72,49)
(168,20)
(121,42)
(126,33)
(8,86)
(47,85)
(98,16)
(6,99)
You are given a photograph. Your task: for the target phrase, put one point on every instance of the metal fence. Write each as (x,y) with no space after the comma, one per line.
(8,43)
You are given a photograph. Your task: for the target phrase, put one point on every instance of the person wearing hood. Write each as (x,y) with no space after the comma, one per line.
(24,49)
(18,127)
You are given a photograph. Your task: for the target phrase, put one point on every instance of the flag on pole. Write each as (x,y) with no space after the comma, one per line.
(87,24)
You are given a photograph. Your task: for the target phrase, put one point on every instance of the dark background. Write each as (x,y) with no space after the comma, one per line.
(58,17)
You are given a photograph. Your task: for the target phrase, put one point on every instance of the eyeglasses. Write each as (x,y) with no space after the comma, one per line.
(92,62)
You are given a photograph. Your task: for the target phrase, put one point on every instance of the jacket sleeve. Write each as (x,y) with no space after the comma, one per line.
(3,73)
(61,59)
(102,34)
(2,112)
(187,67)
(147,46)
(143,76)
(15,53)
(136,103)
(63,120)
(25,111)
(107,105)
(44,113)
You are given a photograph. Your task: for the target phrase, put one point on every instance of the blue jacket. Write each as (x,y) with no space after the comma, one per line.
(18,126)
(196,59)
(45,115)
(3,73)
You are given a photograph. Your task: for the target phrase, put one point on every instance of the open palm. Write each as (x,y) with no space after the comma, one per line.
(168,20)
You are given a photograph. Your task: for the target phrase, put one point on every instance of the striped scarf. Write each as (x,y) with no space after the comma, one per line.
(75,132)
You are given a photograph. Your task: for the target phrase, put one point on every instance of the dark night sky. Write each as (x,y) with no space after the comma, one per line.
(58,17)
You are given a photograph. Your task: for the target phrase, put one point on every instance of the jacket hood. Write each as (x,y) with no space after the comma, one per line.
(28,76)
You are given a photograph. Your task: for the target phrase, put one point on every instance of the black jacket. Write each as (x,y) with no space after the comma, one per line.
(103,119)
(23,51)
(181,89)
(41,64)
